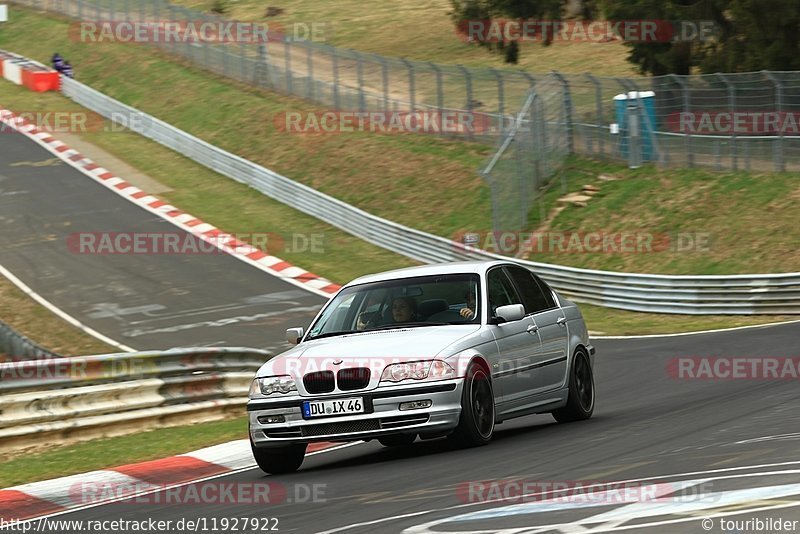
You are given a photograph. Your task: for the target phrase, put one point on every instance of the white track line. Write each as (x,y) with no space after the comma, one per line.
(747,327)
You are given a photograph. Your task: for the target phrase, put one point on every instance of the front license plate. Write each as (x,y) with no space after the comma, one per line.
(332,407)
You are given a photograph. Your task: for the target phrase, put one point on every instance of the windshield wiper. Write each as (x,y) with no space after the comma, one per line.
(331,334)
(406,325)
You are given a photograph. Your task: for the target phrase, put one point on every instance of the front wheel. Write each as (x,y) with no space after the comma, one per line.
(275,461)
(580,402)
(476,424)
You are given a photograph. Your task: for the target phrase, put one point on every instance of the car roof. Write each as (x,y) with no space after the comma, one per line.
(430,270)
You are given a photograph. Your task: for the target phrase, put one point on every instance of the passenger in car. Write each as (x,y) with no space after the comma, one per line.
(404,309)
(468,312)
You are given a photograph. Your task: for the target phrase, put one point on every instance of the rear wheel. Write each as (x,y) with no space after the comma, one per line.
(580,403)
(275,461)
(476,424)
(397,440)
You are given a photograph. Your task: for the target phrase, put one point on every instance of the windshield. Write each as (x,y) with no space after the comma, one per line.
(408,302)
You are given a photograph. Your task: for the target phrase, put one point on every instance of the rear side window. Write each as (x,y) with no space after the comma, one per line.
(534,298)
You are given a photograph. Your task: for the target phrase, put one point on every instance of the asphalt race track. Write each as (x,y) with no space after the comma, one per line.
(144,301)
(712,441)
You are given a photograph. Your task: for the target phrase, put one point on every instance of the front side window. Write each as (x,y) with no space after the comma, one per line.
(500,289)
(407,302)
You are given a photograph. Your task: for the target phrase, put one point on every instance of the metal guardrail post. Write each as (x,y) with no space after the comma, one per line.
(567,109)
(732,108)
(687,136)
(777,151)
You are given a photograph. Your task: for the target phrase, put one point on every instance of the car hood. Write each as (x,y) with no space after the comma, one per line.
(372,349)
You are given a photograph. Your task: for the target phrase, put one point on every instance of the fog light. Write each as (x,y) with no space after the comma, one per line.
(271,419)
(415,405)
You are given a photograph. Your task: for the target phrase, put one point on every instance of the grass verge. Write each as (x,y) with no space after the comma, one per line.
(39,324)
(422,30)
(116,451)
(428,183)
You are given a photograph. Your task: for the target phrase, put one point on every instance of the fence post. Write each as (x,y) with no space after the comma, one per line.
(287,63)
(310,67)
(411,83)
(385,80)
(598,105)
(362,105)
(567,107)
(242,59)
(262,66)
(335,67)
(501,98)
(778,147)
(732,109)
(468,87)
(439,95)
(687,135)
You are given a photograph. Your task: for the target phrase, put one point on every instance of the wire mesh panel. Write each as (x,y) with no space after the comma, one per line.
(528,155)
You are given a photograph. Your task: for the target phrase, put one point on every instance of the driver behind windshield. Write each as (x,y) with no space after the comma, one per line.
(404,310)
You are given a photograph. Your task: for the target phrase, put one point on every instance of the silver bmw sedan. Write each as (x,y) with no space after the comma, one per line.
(443,350)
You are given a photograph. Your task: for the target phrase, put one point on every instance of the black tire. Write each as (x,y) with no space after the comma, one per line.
(476,423)
(278,460)
(397,440)
(580,403)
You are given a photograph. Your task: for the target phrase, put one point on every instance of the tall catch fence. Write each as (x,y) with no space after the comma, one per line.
(745,121)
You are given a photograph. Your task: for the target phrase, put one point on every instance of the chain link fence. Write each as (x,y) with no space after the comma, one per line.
(747,121)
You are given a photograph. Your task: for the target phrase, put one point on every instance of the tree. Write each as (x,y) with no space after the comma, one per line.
(484,10)
(749,35)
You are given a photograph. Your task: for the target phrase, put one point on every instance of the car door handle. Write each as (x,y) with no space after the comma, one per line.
(561,321)
(532,328)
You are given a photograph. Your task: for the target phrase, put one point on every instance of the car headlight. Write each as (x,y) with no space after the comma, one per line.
(424,370)
(262,387)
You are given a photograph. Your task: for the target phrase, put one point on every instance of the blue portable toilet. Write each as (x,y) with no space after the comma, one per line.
(625,104)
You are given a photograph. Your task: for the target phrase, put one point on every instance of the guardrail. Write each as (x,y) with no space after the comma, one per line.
(738,294)
(16,347)
(114,393)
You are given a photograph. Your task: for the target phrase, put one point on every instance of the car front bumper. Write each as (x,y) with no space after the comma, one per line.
(383,415)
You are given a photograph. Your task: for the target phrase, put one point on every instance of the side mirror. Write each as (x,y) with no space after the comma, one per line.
(294,335)
(512,312)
